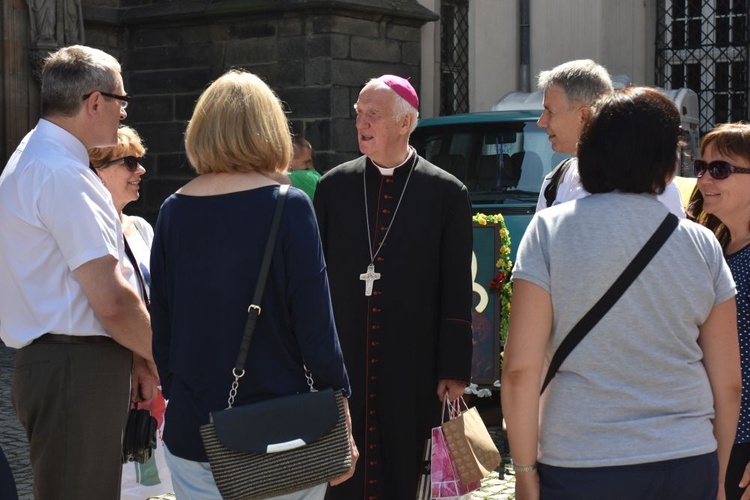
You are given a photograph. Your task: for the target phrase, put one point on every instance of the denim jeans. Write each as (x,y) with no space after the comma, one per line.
(194,481)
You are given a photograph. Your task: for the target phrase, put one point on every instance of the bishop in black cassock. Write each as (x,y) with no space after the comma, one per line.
(413,331)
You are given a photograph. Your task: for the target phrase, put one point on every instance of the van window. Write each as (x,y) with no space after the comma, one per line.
(499,162)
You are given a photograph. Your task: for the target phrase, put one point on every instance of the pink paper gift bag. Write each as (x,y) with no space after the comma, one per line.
(444,480)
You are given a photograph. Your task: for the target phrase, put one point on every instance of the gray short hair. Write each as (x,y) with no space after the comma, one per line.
(401,106)
(582,80)
(72,72)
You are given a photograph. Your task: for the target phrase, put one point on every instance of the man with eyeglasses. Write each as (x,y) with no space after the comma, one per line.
(67,296)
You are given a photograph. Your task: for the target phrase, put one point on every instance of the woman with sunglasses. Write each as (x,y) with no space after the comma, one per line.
(120,170)
(722,203)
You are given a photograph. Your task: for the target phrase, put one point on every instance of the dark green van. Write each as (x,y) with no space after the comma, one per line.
(501,157)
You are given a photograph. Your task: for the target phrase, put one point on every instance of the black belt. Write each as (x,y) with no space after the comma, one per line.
(55,338)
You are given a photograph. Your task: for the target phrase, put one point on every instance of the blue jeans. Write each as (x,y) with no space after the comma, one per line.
(194,481)
(691,478)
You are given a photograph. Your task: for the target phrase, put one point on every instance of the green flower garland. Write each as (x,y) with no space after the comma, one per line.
(500,284)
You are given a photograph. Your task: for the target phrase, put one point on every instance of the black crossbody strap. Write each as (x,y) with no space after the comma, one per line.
(138,274)
(550,192)
(253,311)
(611,296)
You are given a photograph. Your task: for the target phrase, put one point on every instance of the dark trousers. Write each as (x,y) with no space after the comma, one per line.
(738,459)
(7,483)
(72,399)
(692,478)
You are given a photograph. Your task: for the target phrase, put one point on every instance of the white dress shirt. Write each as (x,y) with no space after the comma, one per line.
(55,215)
(570,189)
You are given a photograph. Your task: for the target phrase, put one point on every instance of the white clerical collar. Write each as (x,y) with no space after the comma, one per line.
(389,171)
(385,171)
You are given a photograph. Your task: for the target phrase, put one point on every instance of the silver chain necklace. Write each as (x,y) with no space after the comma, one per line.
(370,276)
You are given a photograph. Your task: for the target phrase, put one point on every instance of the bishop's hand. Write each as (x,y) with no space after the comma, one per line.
(454,388)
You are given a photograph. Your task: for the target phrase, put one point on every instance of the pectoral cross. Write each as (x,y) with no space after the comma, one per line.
(369,278)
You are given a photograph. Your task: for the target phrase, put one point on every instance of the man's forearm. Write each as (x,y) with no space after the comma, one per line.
(116,304)
(130,326)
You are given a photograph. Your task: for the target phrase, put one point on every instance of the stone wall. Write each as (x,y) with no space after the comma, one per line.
(316,55)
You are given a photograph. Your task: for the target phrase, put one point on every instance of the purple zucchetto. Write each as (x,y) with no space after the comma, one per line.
(402,87)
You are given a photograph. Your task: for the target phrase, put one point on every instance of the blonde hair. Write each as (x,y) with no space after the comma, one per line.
(128,143)
(238,125)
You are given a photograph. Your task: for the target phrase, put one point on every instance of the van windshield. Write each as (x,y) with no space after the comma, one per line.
(499,162)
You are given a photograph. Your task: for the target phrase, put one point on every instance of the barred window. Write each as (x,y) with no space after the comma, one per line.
(703,45)
(454,57)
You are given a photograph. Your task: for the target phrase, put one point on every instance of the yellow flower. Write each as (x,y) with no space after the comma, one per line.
(503,265)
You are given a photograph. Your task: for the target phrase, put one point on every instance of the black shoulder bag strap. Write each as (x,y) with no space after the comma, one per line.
(138,274)
(611,296)
(550,192)
(253,311)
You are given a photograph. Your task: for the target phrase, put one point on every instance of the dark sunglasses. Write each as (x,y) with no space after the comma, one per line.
(718,169)
(131,162)
(124,99)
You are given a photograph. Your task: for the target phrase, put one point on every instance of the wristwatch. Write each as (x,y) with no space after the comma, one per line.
(522,468)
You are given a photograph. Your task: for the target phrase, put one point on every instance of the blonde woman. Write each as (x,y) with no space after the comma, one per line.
(208,245)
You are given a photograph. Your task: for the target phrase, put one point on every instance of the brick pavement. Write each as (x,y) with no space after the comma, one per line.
(496,488)
(493,488)
(13,443)
(500,485)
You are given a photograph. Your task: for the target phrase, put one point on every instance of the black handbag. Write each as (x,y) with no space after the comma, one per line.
(139,440)
(281,445)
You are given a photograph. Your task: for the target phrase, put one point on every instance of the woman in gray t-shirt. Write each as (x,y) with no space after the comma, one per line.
(646,405)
